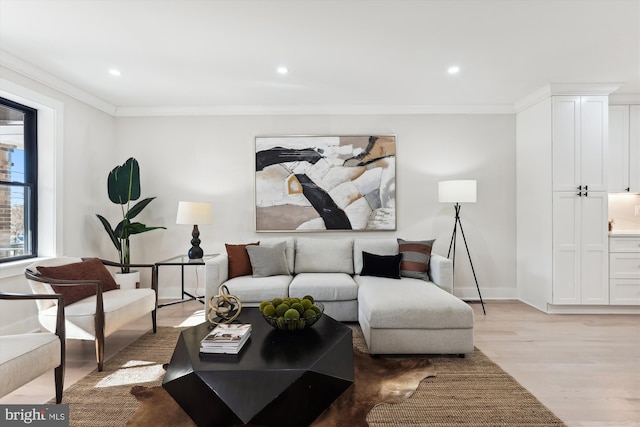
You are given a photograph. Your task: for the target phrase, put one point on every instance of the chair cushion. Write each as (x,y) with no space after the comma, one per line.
(25,357)
(121,306)
(239,263)
(91,269)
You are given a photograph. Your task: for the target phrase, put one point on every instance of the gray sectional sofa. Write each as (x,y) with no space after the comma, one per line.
(397,316)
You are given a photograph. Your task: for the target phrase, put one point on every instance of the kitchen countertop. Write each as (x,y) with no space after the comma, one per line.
(624,233)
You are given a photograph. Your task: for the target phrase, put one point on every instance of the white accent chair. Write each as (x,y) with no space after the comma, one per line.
(97,316)
(24,357)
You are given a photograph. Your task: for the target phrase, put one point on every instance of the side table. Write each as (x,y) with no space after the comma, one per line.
(182,261)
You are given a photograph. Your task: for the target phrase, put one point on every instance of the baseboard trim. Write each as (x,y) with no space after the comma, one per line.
(592,309)
(471,294)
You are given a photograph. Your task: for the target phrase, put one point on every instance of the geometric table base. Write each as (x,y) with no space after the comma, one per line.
(279,378)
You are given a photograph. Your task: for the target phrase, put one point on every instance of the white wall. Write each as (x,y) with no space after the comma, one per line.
(79,160)
(212,158)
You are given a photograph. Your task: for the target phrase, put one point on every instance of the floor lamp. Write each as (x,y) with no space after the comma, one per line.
(459,191)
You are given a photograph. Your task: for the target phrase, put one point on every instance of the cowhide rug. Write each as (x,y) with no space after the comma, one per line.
(377,380)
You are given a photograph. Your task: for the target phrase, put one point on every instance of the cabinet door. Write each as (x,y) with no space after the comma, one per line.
(594,257)
(566,248)
(580,132)
(634,148)
(618,148)
(594,137)
(566,142)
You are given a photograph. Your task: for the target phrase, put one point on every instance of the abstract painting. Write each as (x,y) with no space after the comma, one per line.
(317,183)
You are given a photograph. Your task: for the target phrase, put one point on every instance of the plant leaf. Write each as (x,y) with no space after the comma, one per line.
(123,182)
(110,232)
(138,207)
(137,228)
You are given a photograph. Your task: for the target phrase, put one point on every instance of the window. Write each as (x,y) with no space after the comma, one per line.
(18,178)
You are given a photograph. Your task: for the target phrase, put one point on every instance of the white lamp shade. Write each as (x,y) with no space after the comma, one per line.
(457,191)
(194,213)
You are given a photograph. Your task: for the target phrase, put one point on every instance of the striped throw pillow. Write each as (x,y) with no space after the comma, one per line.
(415,258)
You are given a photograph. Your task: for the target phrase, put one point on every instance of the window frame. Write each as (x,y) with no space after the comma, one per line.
(30,184)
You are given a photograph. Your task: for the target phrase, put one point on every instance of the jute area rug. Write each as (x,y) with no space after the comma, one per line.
(471,391)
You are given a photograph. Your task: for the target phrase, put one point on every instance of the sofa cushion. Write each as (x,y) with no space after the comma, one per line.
(324,255)
(415,258)
(324,286)
(252,290)
(381,265)
(268,261)
(289,250)
(422,305)
(239,262)
(91,269)
(384,246)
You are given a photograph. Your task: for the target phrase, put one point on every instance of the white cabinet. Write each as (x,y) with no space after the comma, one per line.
(624,269)
(634,148)
(580,248)
(624,148)
(580,133)
(562,170)
(580,240)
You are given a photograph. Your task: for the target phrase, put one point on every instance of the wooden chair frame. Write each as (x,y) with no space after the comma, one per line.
(99,318)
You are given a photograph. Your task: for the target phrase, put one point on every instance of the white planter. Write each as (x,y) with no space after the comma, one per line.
(128,280)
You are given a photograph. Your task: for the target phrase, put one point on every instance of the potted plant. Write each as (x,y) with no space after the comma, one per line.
(123,186)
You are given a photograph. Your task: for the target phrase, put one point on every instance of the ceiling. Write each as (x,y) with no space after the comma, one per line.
(224,55)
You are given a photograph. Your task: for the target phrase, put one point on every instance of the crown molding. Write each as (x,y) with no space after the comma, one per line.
(624,98)
(255,110)
(553,89)
(44,77)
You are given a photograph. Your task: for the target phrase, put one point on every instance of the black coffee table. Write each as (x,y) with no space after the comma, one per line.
(279,378)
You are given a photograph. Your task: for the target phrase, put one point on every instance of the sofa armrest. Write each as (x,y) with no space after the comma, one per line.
(216,272)
(441,272)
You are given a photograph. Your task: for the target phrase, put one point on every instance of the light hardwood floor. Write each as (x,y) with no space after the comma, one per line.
(585,368)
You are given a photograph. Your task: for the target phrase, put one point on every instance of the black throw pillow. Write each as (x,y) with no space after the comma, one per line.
(381,265)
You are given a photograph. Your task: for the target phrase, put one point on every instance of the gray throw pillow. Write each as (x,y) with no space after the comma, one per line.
(268,261)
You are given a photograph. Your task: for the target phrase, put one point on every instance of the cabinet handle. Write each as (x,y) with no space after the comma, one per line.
(579,187)
(627,189)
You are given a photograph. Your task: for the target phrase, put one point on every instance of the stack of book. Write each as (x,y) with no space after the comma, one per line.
(226,339)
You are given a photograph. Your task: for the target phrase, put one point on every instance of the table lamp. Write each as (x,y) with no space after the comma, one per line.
(195,213)
(459,191)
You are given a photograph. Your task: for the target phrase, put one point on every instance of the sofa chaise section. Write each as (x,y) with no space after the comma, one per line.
(397,316)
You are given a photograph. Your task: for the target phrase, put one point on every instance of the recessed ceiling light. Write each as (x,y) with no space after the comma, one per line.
(283,70)
(114,72)
(454,69)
